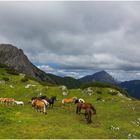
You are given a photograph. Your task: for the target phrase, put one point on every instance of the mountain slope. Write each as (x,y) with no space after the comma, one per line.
(17,60)
(132,87)
(67,81)
(101,76)
(116,118)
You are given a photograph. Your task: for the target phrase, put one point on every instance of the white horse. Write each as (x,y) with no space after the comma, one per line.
(19,102)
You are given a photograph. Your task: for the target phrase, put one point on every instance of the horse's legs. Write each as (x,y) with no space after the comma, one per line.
(89,116)
(77,110)
(44,109)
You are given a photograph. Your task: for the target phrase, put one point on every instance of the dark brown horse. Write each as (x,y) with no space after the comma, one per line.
(89,110)
(88,114)
(85,106)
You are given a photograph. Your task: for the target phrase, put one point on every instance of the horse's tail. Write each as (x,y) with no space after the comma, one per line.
(93,109)
(45,102)
(63,101)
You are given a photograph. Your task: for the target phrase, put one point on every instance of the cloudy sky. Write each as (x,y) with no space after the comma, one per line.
(76,38)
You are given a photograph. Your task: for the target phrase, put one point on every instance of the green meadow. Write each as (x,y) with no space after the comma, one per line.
(117,117)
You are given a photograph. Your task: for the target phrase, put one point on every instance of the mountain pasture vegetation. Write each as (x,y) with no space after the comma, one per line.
(117,116)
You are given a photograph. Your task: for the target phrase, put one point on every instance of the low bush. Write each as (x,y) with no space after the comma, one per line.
(25,79)
(5,78)
(13,72)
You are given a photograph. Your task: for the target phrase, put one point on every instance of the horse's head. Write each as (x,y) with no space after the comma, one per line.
(76,101)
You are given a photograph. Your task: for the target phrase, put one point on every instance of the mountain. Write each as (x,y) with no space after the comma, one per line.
(132,87)
(67,81)
(15,59)
(101,76)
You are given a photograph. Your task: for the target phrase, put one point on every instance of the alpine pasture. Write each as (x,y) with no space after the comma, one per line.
(117,116)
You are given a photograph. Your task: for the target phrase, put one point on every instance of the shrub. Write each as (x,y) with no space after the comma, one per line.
(104,85)
(13,72)
(25,79)
(113,93)
(5,78)
(99,92)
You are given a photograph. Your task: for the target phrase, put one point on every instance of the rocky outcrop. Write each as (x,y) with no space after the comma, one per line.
(15,58)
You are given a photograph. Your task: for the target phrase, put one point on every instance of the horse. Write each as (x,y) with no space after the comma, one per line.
(79,101)
(84,106)
(40,105)
(88,115)
(69,100)
(8,101)
(51,101)
(19,102)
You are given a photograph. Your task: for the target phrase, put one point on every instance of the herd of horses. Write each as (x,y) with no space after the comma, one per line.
(43,102)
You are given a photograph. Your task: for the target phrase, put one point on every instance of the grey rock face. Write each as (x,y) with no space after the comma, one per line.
(16,59)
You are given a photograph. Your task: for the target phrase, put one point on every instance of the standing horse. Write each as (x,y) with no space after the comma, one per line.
(9,101)
(88,115)
(84,106)
(40,105)
(51,101)
(89,110)
(19,102)
(69,100)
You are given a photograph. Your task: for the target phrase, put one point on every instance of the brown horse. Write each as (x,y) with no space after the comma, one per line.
(89,110)
(40,105)
(7,101)
(69,100)
(88,115)
(84,106)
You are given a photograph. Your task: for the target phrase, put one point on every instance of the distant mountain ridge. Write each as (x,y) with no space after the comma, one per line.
(132,87)
(101,76)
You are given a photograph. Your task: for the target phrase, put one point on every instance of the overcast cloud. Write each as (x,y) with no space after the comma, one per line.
(76,38)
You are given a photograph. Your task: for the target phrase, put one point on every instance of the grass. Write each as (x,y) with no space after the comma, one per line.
(62,122)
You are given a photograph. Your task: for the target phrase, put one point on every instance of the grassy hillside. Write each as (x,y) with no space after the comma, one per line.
(117,116)
(67,81)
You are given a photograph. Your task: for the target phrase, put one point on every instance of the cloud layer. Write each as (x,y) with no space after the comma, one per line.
(75,38)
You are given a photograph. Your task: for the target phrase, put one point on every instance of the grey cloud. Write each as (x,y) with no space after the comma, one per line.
(75,35)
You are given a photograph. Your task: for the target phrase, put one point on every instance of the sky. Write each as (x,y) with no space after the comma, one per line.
(76,38)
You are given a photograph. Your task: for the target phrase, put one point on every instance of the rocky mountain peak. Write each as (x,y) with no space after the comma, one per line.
(16,59)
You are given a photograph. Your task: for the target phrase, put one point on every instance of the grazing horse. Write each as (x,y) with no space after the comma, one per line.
(89,110)
(49,100)
(88,115)
(69,100)
(40,105)
(7,101)
(19,102)
(84,106)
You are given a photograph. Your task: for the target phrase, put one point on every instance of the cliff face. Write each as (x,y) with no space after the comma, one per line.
(16,59)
